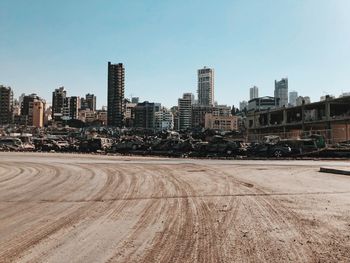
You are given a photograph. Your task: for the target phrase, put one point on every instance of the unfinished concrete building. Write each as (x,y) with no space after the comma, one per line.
(330,118)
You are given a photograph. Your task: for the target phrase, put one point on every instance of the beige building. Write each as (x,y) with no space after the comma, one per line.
(38,114)
(87,115)
(102,117)
(224,123)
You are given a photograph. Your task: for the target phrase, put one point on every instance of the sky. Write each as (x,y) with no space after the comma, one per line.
(45,44)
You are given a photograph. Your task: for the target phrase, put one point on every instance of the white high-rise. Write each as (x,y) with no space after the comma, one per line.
(254,92)
(206,86)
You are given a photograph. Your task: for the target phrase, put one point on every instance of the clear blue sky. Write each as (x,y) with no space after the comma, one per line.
(47,43)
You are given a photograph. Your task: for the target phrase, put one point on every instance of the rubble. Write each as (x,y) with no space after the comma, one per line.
(193,143)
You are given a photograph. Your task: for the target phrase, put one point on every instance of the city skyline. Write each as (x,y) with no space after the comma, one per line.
(67,45)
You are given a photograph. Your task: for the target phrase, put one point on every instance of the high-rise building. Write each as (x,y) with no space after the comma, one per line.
(32,110)
(293,95)
(254,92)
(116,86)
(185,111)
(6,105)
(206,86)
(66,113)
(145,115)
(74,106)
(83,104)
(281,91)
(38,114)
(90,100)
(58,100)
(26,103)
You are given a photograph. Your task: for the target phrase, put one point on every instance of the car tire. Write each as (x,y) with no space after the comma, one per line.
(278,153)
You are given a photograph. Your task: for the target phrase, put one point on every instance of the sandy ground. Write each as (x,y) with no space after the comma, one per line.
(81,208)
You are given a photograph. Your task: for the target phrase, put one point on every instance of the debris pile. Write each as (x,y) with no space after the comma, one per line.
(206,143)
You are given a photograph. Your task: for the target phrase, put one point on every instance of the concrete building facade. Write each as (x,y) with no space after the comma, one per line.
(90,100)
(115,96)
(185,111)
(31,105)
(293,95)
(102,116)
(243,105)
(58,101)
(281,91)
(164,120)
(329,118)
(129,114)
(302,100)
(199,112)
(74,106)
(145,115)
(253,92)
(38,114)
(6,105)
(223,123)
(263,103)
(206,86)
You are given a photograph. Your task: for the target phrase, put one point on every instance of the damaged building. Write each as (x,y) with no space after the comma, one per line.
(329,118)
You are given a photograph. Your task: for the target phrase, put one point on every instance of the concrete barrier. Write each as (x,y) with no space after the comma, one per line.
(334,171)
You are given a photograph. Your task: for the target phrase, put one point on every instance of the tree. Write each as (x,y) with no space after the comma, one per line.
(233,110)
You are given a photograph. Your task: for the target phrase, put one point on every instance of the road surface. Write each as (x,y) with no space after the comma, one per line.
(86,208)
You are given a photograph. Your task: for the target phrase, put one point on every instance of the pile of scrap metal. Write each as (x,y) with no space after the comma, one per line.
(195,143)
(176,144)
(11,144)
(338,150)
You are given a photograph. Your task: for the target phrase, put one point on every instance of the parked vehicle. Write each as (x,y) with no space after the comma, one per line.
(95,145)
(12,144)
(128,144)
(278,150)
(219,145)
(301,146)
(62,146)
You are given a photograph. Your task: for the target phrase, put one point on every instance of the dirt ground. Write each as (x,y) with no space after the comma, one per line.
(84,208)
